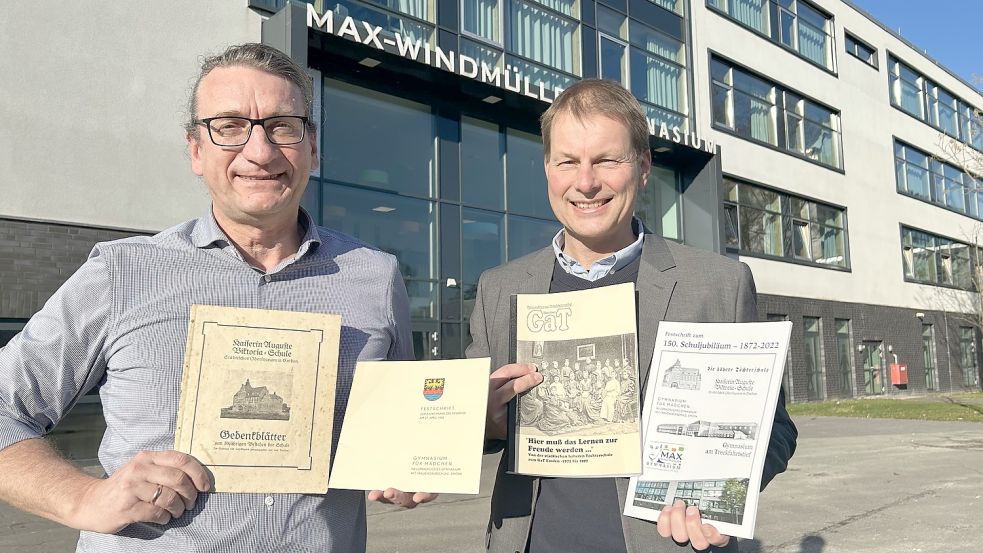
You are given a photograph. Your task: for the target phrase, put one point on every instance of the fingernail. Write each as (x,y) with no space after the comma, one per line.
(691,510)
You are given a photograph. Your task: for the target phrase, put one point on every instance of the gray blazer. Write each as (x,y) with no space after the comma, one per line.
(675,283)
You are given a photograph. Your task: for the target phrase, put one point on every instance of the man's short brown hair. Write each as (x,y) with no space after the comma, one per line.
(591,97)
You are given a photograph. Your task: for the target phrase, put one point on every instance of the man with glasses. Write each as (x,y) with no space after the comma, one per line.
(120,323)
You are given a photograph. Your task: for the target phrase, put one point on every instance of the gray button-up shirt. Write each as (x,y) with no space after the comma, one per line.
(120,323)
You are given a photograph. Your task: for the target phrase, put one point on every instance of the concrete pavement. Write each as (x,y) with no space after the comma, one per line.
(854,485)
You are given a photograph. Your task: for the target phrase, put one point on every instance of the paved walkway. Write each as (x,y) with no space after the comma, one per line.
(855,485)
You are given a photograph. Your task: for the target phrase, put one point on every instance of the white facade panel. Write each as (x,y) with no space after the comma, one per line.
(93,105)
(867,186)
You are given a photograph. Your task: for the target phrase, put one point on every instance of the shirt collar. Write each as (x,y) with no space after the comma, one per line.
(602,267)
(206,233)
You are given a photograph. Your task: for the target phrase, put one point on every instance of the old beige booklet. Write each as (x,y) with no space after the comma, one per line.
(257,398)
(583,419)
(415,426)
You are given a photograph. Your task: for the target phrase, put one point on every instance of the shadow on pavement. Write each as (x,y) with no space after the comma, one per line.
(809,544)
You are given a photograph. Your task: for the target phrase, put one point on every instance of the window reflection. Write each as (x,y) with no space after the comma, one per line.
(658,204)
(525,176)
(482,177)
(377,140)
(398,225)
(527,235)
(483,242)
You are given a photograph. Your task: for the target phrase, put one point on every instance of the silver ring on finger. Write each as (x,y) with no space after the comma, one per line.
(157,492)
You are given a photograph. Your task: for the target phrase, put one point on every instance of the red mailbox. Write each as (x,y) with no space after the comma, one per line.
(899,374)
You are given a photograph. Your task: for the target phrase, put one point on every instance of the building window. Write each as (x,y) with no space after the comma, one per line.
(936,260)
(546,32)
(786,378)
(482,19)
(658,74)
(861,50)
(919,175)
(924,99)
(928,351)
(794,24)
(967,356)
(748,106)
(815,368)
(760,221)
(844,356)
(612,32)
(658,203)
(675,6)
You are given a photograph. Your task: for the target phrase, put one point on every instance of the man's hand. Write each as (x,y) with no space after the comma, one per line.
(506,383)
(408,500)
(130,494)
(683,524)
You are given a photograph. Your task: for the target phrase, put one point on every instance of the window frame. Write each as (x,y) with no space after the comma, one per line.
(774,9)
(787,220)
(474,36)
(939,243)
(778,93)
(852,43)
(938,174)
(969,130)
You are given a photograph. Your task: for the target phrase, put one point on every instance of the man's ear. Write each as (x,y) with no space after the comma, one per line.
(194,150)
(645,166)
(315,159)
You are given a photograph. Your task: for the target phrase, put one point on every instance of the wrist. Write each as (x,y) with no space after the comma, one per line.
(75,509)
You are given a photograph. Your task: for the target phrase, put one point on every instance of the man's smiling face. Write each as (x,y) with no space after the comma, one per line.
(257,181)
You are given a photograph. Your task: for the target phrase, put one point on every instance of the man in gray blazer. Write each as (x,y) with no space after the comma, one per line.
(595,137)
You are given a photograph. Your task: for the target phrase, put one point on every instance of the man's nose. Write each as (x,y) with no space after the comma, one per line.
(258,148)
(586,178)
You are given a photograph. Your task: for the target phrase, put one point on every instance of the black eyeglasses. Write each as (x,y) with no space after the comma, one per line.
(282,130)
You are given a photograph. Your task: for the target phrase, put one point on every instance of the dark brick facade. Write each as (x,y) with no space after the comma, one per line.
(36,258)
(899,328)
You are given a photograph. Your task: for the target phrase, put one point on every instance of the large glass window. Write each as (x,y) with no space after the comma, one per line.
(546,33)
(658,73)
(527,235)
(760,221)
(482,164)
(483,239)
(932,259)
(928,352)
(748,105)
(919,96)
(378,141)
(815,369)
(525,175)
(658,204)
(402,226)
(920,175)
(386,16)
(482,18)
(795,24)
(844,356)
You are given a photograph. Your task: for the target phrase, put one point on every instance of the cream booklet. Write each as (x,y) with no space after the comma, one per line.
(415,426)
(257,398)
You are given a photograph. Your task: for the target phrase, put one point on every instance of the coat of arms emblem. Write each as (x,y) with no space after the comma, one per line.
(433,388)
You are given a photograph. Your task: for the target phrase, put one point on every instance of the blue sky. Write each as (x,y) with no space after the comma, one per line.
(950,30)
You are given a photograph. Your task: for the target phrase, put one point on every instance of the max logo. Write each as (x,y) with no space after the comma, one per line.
(548,320)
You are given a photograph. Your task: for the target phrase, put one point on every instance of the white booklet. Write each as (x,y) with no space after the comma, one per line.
(707,417)
(414,426)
